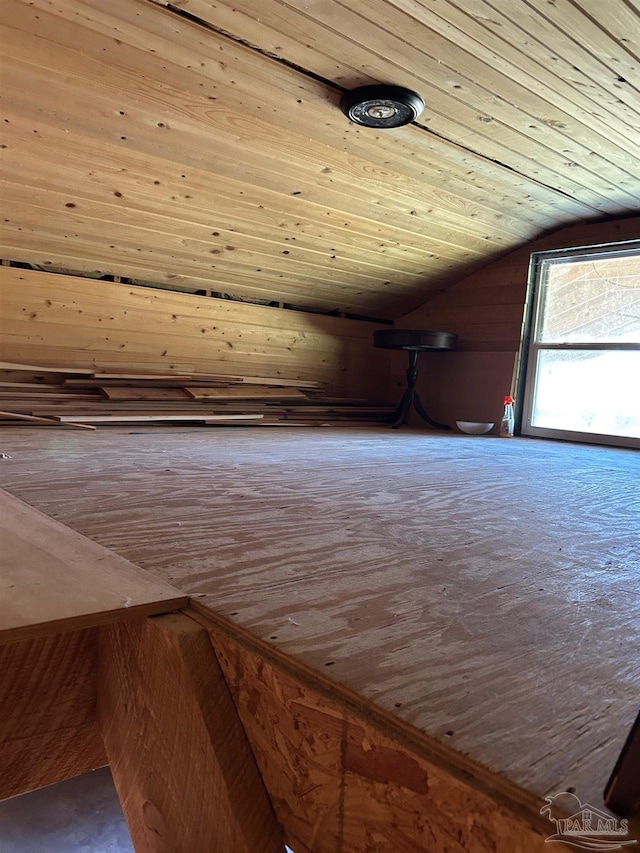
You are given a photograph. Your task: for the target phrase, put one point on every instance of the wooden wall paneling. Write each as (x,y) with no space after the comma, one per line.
(184,771)
(121,255)
(297,298)
(207,341)
(48,724)
(233,337)
(341,779)
(105,300)
(100,324)
(116,362)
(238,281)
(205,344)
(466,303)
(297,291)
(58,255)
(344,372)
(129,305)
(485,316)
(501,292)
(242,357)
(468,385)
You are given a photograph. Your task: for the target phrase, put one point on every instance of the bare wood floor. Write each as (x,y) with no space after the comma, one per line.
(483,591)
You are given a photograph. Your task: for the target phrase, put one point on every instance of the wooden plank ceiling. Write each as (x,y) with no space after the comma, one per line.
(201,144)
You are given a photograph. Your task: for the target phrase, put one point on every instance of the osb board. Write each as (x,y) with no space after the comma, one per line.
(48,724)
(54,579)
(482,591)
(340,781)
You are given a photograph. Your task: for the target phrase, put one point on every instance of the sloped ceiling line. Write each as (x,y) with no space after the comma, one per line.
(128,281)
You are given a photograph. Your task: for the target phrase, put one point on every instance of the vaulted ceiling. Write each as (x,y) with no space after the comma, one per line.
(201,143)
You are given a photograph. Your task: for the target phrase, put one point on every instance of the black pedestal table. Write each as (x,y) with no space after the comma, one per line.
(414,341)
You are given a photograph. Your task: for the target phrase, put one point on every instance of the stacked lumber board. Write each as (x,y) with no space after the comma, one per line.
(65,396)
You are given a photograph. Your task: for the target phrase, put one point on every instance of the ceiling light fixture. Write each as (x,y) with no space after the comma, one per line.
(382,106)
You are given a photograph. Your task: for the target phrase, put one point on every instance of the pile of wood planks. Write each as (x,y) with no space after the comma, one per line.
(82,398)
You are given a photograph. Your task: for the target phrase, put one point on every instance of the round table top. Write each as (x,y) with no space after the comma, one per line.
(414,339)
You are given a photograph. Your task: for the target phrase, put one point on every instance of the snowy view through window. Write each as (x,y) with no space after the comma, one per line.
(587,343)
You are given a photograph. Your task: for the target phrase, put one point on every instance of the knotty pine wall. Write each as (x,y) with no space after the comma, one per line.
(58,320)
(486,311)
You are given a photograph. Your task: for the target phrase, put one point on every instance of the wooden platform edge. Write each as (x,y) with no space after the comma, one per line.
(523,807)
(54,579)
(106,617)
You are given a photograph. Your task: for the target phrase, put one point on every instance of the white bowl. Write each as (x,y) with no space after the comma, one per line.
(473,427)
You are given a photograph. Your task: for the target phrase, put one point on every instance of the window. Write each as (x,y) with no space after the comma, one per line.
(582,376)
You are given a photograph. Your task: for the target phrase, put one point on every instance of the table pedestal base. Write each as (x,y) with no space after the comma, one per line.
(412,398)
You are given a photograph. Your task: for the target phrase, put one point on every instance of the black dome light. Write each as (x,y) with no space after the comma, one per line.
(382,106)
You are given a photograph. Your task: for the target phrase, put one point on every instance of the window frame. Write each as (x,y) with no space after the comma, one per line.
(532,347)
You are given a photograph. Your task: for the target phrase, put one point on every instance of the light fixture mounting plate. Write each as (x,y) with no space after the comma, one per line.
(382,106)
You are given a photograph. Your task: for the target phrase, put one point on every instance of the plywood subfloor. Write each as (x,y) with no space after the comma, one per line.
(483,590)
